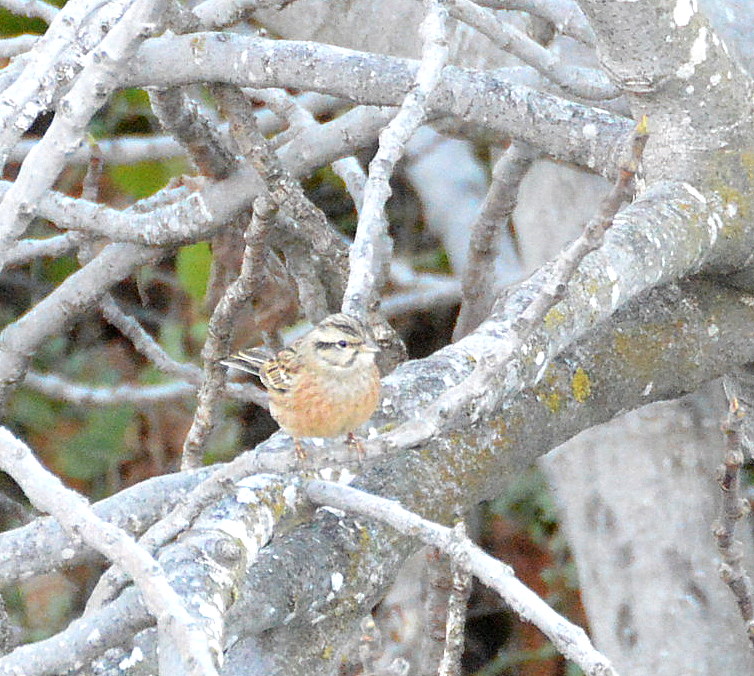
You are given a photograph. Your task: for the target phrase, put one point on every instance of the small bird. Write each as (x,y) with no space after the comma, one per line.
(324,384)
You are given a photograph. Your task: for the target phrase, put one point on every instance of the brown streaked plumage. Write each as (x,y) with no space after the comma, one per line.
(324,384)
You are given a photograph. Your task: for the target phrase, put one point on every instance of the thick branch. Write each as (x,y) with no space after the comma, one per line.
(485,99)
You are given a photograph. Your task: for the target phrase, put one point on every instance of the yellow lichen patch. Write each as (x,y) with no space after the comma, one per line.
(592,287)
(328,652)
(644,348)
(554,318)
(553,401)
(581,385)
(503,438)
(747,160)
(732,197)
(549,392)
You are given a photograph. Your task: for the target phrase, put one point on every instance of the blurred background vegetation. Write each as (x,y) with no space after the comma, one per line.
(99,450)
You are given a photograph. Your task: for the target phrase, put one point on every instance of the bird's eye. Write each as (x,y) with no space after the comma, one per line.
(342,343)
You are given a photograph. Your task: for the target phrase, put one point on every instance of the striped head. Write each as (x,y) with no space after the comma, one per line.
(342,342)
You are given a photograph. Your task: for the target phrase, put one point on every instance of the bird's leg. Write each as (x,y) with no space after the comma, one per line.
(354,441)
(300,452)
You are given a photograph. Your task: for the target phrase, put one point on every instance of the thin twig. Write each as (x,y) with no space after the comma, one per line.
(220,332)
(214,14)
(479,278)
(570,640)
(328,250)
(733,509)
(57,387)
(455,625)
(475,391)
(565,15)
(96,165)
(298,117)
(27,250)
(439,582)
(372,246)
(75,515)
(13,46)
(152,350)
(587,83)
(180,116)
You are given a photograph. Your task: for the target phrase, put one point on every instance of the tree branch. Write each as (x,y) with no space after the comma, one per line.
(485,99)
(570,640)
(372,246)
(47,493)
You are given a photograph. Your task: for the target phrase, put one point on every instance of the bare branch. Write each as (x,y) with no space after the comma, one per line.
(218,13)
(448,591)
(478,386)
(570,640)
(180,116)
(438,581)
(586,83)
(27,250)
(479,285)
(371,248)
(51,65)
(220,332)
(42,546)
(58,387)
(152,350)
(457,603)
(328,248)
(97,80)
(83,638)
(299,118)
(76,294)
(48,494)
(565,15)
(733,509)
(486,99)
(10,47)
(198,215)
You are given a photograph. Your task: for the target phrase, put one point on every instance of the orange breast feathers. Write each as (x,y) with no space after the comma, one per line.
(326,412)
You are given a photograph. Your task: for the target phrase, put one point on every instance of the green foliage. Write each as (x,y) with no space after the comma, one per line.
(99,445)
(57,269)
(224,444)
(506,662)
(528,500)
(142,179)
(192,265)
(12,25)
(172,336)
(434,260)
(33,411)
(198,332)
(128,112)
(328,192)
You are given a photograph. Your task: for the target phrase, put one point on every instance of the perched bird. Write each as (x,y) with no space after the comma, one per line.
(324,384)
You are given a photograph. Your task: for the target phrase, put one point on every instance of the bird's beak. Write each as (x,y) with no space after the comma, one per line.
(369,347)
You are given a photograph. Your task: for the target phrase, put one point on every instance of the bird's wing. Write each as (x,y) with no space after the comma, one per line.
(277,374)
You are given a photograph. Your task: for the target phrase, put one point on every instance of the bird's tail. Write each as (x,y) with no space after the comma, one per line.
(250,360)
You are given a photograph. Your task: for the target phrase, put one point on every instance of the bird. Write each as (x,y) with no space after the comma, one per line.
(325,384)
